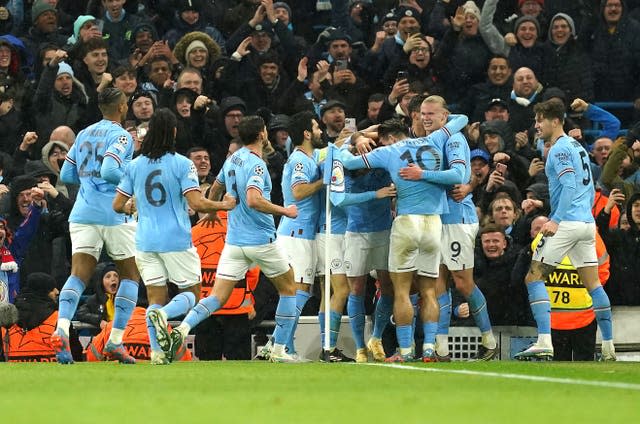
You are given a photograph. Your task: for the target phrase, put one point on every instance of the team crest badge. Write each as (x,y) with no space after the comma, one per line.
(193,172)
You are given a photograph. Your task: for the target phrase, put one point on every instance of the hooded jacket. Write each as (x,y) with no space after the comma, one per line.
(69,192)
(60,203)
(94,310)
(518,166)
(501,128)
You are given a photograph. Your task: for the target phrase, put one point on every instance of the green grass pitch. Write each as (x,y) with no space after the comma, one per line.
(258,392)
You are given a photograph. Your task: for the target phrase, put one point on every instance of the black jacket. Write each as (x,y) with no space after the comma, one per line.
(474,104)
(461,62)
(33,308)
(52,109)
(93,311)
(427,76)
(507,302)
(616,59)
(569,68)
(535,58)
(623,247)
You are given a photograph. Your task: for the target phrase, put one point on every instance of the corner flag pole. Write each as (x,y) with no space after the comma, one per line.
(327,176)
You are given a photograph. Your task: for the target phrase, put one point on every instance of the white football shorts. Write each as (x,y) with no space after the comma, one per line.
(235,261)
(365,252)
(302,257)
(458,245)
(90,238)
(415,244)
(574,239)
(180,268)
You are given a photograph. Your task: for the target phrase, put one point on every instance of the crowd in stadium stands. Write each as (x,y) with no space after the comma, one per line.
(212,63)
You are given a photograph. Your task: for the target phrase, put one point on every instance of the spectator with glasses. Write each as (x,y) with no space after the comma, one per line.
(416,64)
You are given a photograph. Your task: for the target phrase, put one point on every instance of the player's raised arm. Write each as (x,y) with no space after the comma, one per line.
(373,159)
(457,165)
(350,161)
(456,123)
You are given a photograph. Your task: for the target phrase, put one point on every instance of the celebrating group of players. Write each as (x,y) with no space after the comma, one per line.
(414,244)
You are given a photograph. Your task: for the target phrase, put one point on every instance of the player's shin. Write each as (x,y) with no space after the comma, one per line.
(68,302)
(179,305)
(602,308)
(199,313)
(355,309)
(442,334)
(285,321)
(302,297)
(541,309)
(384,309)
(478,306)
(153,340)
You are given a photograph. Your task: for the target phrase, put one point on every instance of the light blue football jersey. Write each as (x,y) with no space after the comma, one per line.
(457,154)
(338,213)
(570,181)
(374,215)
(413,197)
(242,171)
(300,168)
(159,186)
(95,197)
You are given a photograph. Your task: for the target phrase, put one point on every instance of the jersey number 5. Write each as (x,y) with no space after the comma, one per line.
(586,167)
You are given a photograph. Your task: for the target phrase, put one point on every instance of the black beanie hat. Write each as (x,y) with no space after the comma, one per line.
(22,183)
(40,282)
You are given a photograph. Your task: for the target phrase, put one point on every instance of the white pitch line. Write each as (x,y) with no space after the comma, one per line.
(572,381)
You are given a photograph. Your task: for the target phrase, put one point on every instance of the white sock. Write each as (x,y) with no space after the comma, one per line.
(442,344)
(488,340)
(278,349)
(64,324)
(116,336)
(405,351)
(183,328)
(426,346)
(544,340)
